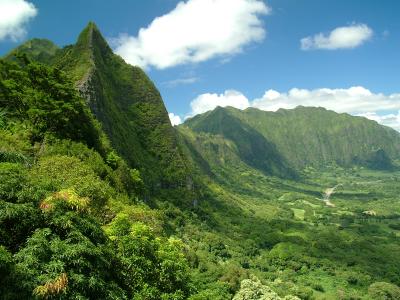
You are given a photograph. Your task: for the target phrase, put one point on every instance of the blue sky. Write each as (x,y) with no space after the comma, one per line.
(241,52)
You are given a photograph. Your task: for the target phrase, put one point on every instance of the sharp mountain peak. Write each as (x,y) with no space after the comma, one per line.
(91,39)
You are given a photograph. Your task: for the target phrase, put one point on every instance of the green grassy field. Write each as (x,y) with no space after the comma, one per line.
(282,231)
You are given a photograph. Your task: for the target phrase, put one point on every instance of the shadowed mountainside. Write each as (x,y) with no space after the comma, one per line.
(304,136)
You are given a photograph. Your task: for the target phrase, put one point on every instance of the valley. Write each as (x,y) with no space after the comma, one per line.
(283,231)
(102,198)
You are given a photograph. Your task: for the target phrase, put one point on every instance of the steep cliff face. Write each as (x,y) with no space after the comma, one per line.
(129,107)
(125,102)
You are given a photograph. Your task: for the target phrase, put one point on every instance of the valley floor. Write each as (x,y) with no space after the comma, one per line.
(334,234)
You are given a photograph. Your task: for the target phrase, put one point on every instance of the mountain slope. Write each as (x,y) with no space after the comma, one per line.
(307,136)
(124,100)
(70,221)
(40,50)
(129,107)
(71,226)
(234,142)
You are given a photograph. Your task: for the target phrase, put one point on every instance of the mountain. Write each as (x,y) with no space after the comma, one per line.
(276,211)
(41,50)
(126,103)
(231,141)
(128,106)
(300,137)
(73,223)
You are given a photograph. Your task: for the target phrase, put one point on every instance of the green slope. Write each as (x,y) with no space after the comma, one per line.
(129,107)
(40,50)
(71,222)
(67,200)
(225,139)
(304,136)
(278,227)
(125,102)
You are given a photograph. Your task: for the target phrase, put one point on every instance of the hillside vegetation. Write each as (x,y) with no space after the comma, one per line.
(127,105)
(304,136)
(101,198)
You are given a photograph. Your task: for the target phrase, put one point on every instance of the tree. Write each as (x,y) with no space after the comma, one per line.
(153,268)
(46,98)
(384,291)
(253,289)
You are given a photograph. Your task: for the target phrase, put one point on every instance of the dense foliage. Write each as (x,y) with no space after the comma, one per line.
(58,180)
(230,205)
(284,232)
(302,137)
(129,107)
(44,100)
(40,50)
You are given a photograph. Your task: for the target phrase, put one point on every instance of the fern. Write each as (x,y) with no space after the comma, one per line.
(68,197)
(52,287)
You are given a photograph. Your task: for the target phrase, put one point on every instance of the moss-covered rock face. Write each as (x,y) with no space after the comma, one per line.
(304,136)
(125,101)
(128,106)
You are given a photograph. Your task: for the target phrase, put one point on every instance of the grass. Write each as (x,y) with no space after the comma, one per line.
(299,213)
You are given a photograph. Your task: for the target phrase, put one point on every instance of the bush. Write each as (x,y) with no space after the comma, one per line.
(318,287)
(384,291)
(12,180)
(59,172)
(253,289)
(157,268)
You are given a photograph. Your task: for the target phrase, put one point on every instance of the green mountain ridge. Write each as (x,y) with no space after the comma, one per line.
(233,140)
(126,103)
(304,136)
(41,50)
(129,107)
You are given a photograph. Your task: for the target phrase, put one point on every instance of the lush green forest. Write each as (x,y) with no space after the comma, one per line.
(101,198)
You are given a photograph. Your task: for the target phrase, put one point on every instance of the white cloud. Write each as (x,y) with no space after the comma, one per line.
(206,102)
(391,120)
(340,38)
(175,120)
(357,100)
(14,15)
(181,81)
(195,31)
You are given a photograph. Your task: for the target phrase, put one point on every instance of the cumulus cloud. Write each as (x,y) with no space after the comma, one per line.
(175,120)
(206,102)
(14,15)
(357,100)
(195,31)
(340,38)
(391,120)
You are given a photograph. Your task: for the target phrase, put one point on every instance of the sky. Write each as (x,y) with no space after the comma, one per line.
(343,55)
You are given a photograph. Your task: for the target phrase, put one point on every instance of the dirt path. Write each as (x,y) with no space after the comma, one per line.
(328,193)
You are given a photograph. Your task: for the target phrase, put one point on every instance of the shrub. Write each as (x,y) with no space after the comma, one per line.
(384,291)
(68,197)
